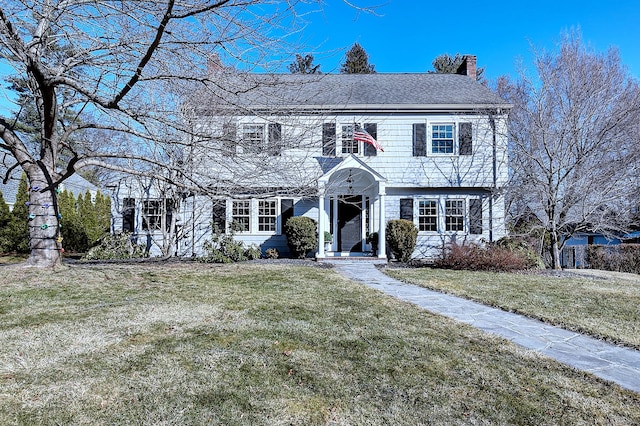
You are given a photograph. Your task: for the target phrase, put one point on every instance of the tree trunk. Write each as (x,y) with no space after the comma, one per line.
(555,250)
(45,239)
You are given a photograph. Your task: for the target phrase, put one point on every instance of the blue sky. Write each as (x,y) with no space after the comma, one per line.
(406,35)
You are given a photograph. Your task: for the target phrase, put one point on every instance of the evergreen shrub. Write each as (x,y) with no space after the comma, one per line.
(302,235)
(402,236)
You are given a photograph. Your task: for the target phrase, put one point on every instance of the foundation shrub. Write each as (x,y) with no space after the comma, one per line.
(402,236)
(302,235)
(491,257)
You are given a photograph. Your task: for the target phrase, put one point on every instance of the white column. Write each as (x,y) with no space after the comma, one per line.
(382,244)
(321,223)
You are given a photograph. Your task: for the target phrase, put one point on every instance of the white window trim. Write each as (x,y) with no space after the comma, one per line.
(254,224)
(417,214)
(430,152)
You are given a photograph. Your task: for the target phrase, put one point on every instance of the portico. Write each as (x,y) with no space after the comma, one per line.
(351,206)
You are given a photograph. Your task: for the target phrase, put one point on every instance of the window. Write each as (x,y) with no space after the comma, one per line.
(241,215)
(252,138)
(267,216)
(151,215)
(349,146)
(442,139)
(428,215)
(454,215)
(128,214)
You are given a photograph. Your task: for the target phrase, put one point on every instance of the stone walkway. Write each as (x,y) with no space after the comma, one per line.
(610,362)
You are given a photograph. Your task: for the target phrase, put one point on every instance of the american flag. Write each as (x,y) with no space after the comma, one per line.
(361,135)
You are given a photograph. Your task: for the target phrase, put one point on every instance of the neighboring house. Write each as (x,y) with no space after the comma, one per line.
(288,145)
(75,184)
(574,253)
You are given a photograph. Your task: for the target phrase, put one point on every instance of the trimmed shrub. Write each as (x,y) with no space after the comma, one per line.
(620,258)
(113,247)
(402,236)
(302,235)
(492,257)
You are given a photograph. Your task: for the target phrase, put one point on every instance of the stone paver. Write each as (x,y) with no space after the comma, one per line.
(610,362)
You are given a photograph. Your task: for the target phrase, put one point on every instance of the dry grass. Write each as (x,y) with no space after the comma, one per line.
(599,303)
(255,344)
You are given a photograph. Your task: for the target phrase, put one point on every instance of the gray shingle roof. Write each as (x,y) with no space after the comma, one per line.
(350,91)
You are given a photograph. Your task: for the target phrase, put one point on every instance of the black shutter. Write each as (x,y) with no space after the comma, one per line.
(406,209)
(419,139)
(275,138)
(219,216)
(128,214)
(372,129)
(329,139)
(475,216)
(465,139)
(286,211)
(168,216)
(229,138)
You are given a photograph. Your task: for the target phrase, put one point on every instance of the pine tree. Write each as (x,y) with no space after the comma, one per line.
(88,217)
(304,65)
(18,229)
(73,232)
(357,62)
(5,221)
(103,213)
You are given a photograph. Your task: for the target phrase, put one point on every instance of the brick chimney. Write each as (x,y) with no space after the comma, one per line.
(468,66)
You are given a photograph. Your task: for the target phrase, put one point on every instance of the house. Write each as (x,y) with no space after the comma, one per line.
(75,184)
(278,146)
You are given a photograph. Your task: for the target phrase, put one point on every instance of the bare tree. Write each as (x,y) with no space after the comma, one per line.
(574,131)
(120,67)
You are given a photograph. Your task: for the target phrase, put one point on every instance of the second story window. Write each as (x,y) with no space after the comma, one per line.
(442,139)
(349,146)
(252,138)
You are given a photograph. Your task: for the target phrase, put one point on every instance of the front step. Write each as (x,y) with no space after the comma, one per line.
(352,257)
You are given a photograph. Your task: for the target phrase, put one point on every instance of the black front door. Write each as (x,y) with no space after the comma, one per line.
(350,223)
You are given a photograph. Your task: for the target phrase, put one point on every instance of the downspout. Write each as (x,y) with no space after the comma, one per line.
(492,122)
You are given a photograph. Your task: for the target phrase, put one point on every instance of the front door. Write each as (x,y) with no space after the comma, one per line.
(350,223)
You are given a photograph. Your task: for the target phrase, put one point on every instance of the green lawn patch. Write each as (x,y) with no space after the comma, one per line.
(260,344)
(601,304)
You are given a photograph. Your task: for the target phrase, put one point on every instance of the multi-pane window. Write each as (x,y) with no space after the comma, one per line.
(442,139)
(454,215)
(252,138)
(267,216)
(428,215)
(349,146)
(241,215)
(151,215)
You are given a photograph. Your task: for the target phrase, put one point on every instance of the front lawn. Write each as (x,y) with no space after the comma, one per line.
(261,344)
(601,304)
